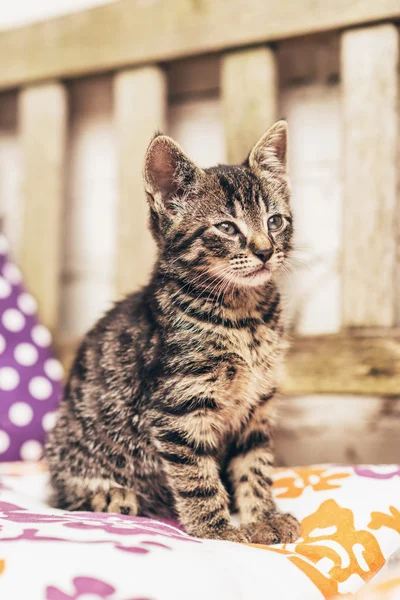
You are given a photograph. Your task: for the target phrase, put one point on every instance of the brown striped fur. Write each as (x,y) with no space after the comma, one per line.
(168,405)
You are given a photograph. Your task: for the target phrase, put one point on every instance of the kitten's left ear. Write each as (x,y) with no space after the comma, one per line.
(270,152)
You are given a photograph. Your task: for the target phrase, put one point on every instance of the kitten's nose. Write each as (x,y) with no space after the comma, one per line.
(263,254)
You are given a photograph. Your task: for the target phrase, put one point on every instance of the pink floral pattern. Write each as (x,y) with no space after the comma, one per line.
(115,525)
(375,473)
(82,585)
(86,585)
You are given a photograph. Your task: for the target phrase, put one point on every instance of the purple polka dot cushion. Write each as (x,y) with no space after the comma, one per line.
(30,376)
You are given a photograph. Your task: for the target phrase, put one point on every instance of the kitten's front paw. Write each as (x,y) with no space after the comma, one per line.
(230,534)
(278,528)
(118,500)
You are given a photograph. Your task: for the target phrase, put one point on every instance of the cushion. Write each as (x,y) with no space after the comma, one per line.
(29,373)
(350,520)
(382,587)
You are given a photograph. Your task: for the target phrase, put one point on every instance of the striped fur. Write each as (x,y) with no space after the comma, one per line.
(168,405)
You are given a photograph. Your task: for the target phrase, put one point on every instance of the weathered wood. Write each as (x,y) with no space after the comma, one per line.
(196,77)
(140,108)
(249,88)
(10,214)
(371,229)
(307,60)
(343,365)
(43,116)
(337,429)
(327,365)
(66,348)
(313,289)
(127,33)
(89,226)
(196,125)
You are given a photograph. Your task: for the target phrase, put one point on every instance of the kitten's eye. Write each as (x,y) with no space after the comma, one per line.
(275,222)
(228,228)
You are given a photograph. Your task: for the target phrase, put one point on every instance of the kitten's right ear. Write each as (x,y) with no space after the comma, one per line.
(270,152)
(168,174)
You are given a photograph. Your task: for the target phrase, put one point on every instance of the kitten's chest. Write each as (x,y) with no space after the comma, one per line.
(256,356)
(259,353)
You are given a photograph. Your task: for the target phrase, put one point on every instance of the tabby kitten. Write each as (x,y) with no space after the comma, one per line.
(168,405)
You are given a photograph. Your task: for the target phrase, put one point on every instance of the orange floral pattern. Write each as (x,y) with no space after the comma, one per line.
(329,534)
(317,478)
(392,521)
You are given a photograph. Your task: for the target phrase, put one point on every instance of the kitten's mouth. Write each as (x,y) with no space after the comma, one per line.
(263,270)
(256,277)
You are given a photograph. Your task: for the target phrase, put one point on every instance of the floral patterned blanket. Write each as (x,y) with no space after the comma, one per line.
(350,528)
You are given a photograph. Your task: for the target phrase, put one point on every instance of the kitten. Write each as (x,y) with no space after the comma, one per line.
(168,405)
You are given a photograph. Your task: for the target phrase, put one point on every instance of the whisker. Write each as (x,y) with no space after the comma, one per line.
(191,283)
(218,270)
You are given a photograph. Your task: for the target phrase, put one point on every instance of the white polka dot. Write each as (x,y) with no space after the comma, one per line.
(49,420)
(12,273)
(31,450)
(4,441)
(41,335)
(3,244)
(40,388)
(26,354)
(9,379)
(2,344)
(53,369)
(27,303)
(13,320)
(5,288)
(20,414)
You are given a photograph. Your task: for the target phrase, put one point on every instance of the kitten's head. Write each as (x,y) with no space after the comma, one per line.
(228,222)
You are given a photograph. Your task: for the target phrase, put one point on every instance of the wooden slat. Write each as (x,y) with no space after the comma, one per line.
(66,348)
(328,365)
(249,90)
(140,108)
(43,114)
(343,365)
(341,429)
(307,60)
(10,214)
(128,33)
(371,229)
